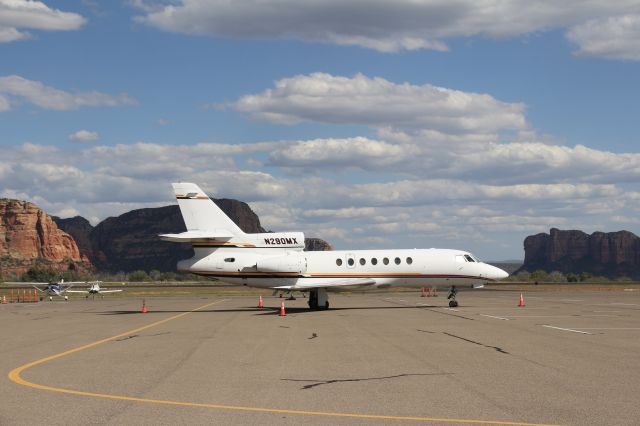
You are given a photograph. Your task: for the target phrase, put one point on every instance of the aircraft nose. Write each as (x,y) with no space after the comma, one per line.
(499,274)
(496,273)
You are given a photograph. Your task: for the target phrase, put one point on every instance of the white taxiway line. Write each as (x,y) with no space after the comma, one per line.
(491,316)
(540,316)
(567,329)
(611,328)
(624,304)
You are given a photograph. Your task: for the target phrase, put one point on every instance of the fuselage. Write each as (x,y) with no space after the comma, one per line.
(302,270)
(53,290)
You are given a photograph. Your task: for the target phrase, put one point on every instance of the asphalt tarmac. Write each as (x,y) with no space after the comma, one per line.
(394,358)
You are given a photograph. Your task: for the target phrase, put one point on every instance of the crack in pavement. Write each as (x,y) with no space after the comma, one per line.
(330,382)
(126,338)
(142,335)
(498,349)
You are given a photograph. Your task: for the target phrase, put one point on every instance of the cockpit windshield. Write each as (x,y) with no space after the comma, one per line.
(471,258)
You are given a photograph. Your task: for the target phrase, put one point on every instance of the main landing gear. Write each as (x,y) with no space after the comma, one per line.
(318,299)
(453,303)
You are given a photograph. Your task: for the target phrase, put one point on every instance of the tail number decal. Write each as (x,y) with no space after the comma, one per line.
(280,241)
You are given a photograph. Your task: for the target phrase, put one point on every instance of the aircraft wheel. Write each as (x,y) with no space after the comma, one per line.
(453,304)
(326,305)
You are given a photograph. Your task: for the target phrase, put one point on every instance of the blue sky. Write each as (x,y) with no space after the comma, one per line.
(467,124)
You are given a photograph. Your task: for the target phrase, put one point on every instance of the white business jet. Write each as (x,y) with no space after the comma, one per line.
(277,260)
(94,288)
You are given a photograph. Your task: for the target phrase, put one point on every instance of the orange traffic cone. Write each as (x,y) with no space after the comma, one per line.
(422,295)
(429,292)
(35,296)
(4,299)
(283,313)
(260,303)
(23,296)
(521,303)
(144,307)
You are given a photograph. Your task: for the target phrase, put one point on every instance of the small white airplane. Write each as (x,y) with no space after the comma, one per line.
(277,260)
(55,289)
(94,288)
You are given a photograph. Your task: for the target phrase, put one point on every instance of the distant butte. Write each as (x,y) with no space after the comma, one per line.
(612,254)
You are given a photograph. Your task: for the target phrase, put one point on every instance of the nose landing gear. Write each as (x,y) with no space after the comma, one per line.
(453,291)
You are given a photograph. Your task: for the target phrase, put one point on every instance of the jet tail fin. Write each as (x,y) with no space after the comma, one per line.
(201,214)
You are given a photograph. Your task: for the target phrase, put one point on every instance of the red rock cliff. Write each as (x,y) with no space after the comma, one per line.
(613,254)
(29,236)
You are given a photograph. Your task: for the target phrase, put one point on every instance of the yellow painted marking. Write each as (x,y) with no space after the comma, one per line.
(15,376)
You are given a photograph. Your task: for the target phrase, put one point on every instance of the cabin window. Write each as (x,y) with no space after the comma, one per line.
(397,260)
(409,261)
(374,261)
(362,261)
(385,261)
(339,262)
(229,259)
(469,258)
(350,261)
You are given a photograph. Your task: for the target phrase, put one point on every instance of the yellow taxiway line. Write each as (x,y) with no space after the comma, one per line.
(15,376)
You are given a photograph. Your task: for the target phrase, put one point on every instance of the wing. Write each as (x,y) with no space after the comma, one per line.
(75,291)
(329,283)
(24,284)
(109,291)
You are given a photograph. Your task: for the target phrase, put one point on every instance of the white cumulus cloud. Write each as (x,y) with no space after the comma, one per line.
(84,136)
(30,14)
(47,97)
(386,26)
(377,102)
(615,37)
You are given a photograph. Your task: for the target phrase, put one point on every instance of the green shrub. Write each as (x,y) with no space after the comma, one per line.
(39,273)
(138,276)
(572,278)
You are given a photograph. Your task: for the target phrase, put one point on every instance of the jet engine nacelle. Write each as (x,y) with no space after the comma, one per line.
(288,263)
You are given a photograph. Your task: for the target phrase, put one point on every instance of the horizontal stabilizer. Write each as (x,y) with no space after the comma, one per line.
(197,235)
